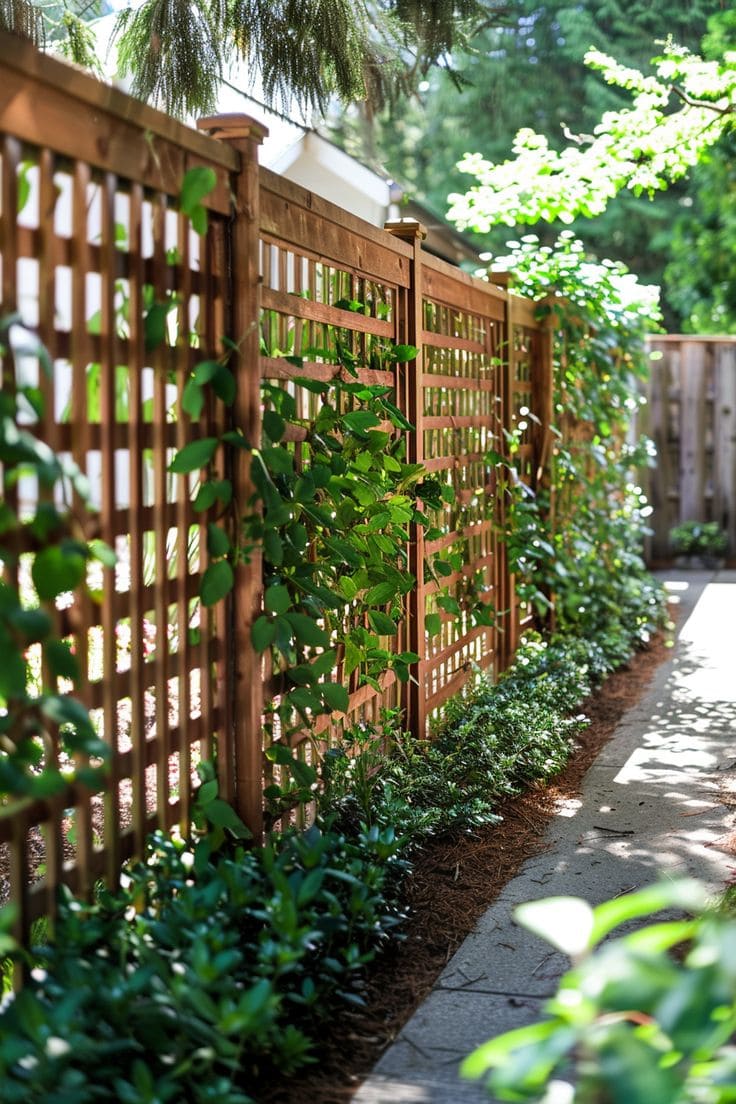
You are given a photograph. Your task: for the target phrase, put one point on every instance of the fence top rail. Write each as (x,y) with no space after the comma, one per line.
(464,279)
(703,339)
(292,216)
(51,103)
(450,286)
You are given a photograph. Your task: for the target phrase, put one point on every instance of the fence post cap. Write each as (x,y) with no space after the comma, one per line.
(406,228)
(233,125)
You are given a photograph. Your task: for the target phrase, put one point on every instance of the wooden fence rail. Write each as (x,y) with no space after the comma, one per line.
(91,235)
(691,417)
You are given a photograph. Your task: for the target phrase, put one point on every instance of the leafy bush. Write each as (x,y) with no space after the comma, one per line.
(206,971)
(647,1018)
(698,538)
(493,740)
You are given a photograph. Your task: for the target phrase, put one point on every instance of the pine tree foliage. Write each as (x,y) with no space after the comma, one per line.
(177,51)
(171,49)
(78,42)
(22,18)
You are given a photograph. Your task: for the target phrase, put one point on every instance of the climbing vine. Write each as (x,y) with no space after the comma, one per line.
(43,554)
(577,542)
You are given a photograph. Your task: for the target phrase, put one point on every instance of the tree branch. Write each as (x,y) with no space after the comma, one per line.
(691,101)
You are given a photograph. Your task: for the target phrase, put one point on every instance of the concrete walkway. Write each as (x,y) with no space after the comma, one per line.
(659,802)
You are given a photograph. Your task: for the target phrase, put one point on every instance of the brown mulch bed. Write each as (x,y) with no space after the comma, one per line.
(453,882)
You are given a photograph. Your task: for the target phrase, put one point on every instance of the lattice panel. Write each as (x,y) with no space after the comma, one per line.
(461,421)
(87,256)
(313,305)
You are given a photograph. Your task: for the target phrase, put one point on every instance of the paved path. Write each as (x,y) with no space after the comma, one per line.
(654,804)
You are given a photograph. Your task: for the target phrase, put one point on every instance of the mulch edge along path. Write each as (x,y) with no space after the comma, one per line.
(454,880)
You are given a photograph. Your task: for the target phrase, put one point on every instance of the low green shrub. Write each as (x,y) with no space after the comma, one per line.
(698,538)
(492,741)
(207,971)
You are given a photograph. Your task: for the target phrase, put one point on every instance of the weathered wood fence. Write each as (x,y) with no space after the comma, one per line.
(90,236)
(691,417)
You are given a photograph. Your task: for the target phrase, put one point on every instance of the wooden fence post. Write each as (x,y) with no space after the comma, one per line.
(692,431)
(509,613)
(411,392)
(543,399)
(542,381)
(724,441)
(244,692)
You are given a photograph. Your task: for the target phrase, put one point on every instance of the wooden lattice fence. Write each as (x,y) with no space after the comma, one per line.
(91,236)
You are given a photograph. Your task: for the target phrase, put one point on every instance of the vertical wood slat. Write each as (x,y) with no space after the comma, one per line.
(245,691)
(692,431)
(136,362)
(412,334)
(80,446)
(219,617)
(107,418)
(47,336)
(724,441)
(660,479)
(509,603)
(159,360)
(208,324)
(184,650)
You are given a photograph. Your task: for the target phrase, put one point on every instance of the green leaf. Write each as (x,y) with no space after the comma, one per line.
(497,1051)
(192,399)
(379,594)
(195,455)
(217,581)
(60,660)
(336,696)
(274,425)
(403,353)
(154,325)
(682,894)
(223,384)
(432,624)
(32,624)
(278,460)
(102,552)
(205,497)
(307,631)
(196,185)
(56,570)
(222,815)
(382,623)
(279,753)
(360,421)
(277,599)
(218,542)
(304,775)
(262,633)
(273,547)
(207,792)
(62,709)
